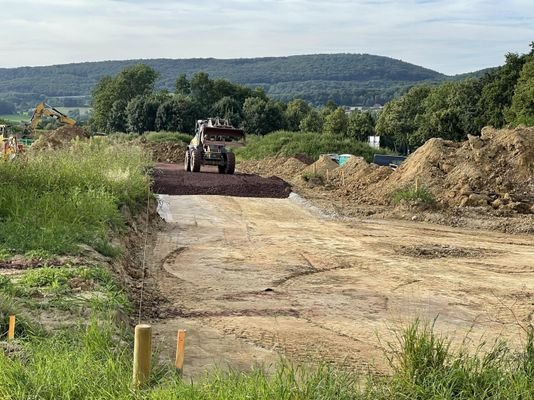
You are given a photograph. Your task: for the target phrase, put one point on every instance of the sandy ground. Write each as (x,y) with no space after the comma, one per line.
(254,278)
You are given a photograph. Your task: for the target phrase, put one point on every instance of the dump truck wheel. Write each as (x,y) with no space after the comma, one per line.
(222,169)
(187,161)
(195,160)
(230,163)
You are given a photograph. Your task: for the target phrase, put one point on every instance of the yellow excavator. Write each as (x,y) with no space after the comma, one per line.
(49,111)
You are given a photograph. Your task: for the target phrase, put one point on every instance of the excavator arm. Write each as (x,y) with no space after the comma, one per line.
(44,109)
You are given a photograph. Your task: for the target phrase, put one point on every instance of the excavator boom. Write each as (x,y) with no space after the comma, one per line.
(49,111)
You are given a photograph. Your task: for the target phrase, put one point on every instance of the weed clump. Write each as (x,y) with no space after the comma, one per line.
(413,194)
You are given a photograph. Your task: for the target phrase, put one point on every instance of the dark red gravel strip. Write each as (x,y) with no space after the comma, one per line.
(172,179)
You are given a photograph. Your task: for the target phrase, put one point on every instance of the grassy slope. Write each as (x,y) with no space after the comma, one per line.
(312,144)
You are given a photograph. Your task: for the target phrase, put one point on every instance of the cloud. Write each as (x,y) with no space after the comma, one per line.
(449,36)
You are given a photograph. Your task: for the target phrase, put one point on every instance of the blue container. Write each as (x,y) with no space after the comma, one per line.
(342,159)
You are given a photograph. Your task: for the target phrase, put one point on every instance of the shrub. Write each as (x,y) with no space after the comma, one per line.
(417,194)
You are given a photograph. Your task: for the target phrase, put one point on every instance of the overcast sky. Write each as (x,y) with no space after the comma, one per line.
(451,36)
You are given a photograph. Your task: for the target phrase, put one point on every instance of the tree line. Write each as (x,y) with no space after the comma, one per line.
(128,102)
(450,110)
(502,97)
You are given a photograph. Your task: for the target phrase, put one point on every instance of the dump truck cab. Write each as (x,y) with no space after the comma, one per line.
(211,146)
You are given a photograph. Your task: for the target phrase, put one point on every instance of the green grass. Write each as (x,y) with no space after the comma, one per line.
(290,144)
(15,118)
(95,361)
(160,137)
(54,200)
(413,194)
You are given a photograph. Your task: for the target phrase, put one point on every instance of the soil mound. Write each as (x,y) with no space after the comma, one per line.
(169,152)
(284,167)
(322,167)
(59,138)
(494,169)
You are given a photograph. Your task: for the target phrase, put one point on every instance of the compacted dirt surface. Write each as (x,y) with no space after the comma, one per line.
(255,278)
(172,179)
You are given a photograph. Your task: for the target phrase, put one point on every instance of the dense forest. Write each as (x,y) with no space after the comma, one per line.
(347,79)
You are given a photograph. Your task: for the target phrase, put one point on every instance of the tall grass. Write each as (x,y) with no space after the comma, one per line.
(55,200)
(290,144)
(94,362)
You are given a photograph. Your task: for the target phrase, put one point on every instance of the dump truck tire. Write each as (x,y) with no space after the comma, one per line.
(195,160)
(230,163)
(222,169)
(187,161)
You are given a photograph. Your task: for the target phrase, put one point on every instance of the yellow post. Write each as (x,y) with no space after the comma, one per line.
(180,351)
(142,354)
(416,184)
(11,331)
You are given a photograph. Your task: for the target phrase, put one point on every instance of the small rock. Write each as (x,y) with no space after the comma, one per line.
(497,203)
(415,218)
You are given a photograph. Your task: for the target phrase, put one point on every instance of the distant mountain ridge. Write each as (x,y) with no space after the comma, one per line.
(349,79)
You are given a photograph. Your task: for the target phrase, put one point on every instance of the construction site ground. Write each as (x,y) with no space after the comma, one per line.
(253,278)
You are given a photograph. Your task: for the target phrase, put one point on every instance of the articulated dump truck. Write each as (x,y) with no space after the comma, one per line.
(211,146)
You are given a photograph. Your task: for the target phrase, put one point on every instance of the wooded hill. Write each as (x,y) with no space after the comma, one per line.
(348,79)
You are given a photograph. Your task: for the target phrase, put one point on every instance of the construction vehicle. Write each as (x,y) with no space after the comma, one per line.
(49,111)
(10,144)
(210,146)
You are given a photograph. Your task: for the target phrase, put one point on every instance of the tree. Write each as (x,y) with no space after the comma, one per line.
(398,118)
(182,86)
(177,114)
(141,114)
(336,123)
(202,90)
(137,80)
(497,91)
(361,125)
(450,112)
(118,119)
(522,109)
(313,122)
(296,111)
(228,108)
(262,116)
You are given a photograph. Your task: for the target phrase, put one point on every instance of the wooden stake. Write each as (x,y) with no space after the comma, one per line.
(416,184)
(180,341)
(342,178)
(142,355)
(11,331)
(327,175)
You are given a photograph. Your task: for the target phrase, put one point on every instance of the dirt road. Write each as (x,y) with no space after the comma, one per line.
(252,278)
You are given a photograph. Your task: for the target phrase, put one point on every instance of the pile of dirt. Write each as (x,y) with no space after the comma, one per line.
(495,169)
(356,179)
(59,138)
(286,168)
(170,152)
(322,167)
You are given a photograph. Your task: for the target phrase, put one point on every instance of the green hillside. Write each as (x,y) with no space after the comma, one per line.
(350,79)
